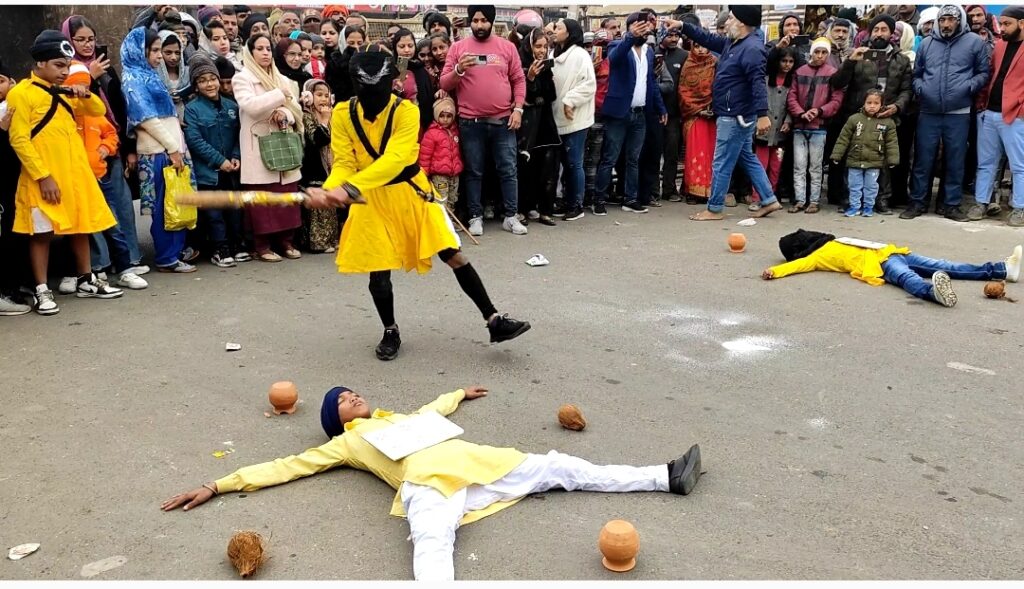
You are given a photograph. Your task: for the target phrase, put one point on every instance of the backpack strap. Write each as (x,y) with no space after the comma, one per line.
(57,102)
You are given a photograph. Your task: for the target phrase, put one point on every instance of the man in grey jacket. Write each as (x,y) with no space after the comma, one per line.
(952,66)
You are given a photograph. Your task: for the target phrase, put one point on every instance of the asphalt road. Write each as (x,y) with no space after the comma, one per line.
(848,432)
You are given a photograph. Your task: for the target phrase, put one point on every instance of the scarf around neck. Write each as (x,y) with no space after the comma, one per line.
(146,96)
(274,80)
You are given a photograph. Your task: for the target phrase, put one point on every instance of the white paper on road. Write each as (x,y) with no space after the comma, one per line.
(412,435)
(871,245)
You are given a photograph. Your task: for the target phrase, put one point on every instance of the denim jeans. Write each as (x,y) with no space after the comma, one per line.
(649,178)
(909,272)
(734,145)
(167,245)
(573,146)
(223,226)
(996,139)
(863,187)
(592,157)
(624,135)
(476,136)
(808,155)
(121,238)
(932,130)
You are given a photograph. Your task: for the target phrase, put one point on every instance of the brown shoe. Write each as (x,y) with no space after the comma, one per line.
(292,254)
(812,208)
(269,257)
(797,207)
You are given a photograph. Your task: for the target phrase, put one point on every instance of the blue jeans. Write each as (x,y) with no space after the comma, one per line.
(648,184)
(621,134)
(223,226)
(950,131)
(475,138)
(167,244)
(996,139)
(121,238)
(909,272)
(863,187)
(573,146)
(808,156)
(734,145)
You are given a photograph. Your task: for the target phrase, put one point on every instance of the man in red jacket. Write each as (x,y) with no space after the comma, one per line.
(1001,119)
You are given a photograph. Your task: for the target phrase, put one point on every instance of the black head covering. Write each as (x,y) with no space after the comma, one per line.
(329,418)
(51,45)
(4,70)
(487,9)
(1016,12)
(225,69)
(437,17)
(297,75)
(849,13)
(373,74)
(883,18)
(526,46)
(575,35)
(802,243)
(250,22)
(748,14)
(788,16)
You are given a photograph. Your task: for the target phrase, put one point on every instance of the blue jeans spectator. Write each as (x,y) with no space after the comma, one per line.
(910,271)
(951,132)
(476,136)
(996,139)
(863,188)
(620,135)
(121,238)
(573,146)
(734,145)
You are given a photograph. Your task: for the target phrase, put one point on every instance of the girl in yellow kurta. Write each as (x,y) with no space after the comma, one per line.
(445,485)
(880,263)
(57,191)
(398,223)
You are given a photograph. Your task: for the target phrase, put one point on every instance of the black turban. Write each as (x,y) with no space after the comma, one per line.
(802,243)
(51,45)
(487,9)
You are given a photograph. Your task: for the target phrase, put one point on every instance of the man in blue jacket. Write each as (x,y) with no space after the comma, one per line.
(633,92)
(952,66)
(739,97)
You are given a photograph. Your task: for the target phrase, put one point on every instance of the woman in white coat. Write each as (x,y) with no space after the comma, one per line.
(267,102)
(575,88)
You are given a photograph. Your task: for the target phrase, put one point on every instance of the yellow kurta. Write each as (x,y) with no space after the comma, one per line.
(861,263)
(57,151)
(448,467)
(395,228)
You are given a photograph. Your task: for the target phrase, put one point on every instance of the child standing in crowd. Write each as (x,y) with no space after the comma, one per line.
(173,73)
(769,145)
(812,102)
(439,46)
(869,144)
(211,131)
(152,118)
(57,191)
(14,272)
(226,70)
(316,65)
(439,157)
(320,228)
(100,138)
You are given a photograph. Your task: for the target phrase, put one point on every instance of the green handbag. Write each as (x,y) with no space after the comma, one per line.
(281,151)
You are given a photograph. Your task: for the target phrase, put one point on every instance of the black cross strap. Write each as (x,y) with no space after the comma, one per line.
(57,101)
(410,171)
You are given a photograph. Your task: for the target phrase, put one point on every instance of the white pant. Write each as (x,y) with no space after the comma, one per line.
(433,518)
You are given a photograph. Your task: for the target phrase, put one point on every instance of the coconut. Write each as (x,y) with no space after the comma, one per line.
(571,417)
(995,290)
(245,551)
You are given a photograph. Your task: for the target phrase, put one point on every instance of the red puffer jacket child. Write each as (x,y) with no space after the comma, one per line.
(439,151)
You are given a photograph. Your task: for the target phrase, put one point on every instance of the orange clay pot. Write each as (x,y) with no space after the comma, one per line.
(283,396)
(619,543)
(737,242)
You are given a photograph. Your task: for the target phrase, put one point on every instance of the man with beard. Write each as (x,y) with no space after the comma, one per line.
(839,34)
(398,223)
(927,23)
(613,28)
(892,73)
(740,100)
(908,13)
(486,73)
(981,24)
(951,68)
(1001,123)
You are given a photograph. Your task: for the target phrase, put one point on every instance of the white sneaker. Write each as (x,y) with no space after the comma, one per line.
(1013,264)
(97,288)
(68,285)
(139,270)
(46,305)
(476,226)
(533,215)
(513,226)
(9,308)
(131,280)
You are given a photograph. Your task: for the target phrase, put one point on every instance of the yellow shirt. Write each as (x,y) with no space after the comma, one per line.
(447,467)
(861,263)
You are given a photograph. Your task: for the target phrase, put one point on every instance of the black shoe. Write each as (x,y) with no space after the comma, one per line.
(387,349)
(684,472)
(956,214)
(691,200)
(614,199)
(600,210)
(882,207)
(912,212)
(573,214)
(940,210)
(504,328)
(634,207)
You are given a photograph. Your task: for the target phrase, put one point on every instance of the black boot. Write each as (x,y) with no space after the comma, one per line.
(882,207)
(684,472)
(388,347)
(504,328)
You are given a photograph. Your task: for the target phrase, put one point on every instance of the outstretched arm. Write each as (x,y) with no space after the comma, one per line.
(447,404)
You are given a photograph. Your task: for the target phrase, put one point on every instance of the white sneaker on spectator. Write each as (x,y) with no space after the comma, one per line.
(513,226)
(68,285)
(97,288)
(476,226)
(9,308)
(138,270)
(243,257)
(46,305)
(131,280)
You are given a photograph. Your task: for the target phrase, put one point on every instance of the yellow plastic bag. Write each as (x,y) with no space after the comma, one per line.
(178,217)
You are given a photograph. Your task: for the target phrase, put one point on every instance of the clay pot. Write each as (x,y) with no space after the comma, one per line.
(737,242)
(283,396)
(619,543)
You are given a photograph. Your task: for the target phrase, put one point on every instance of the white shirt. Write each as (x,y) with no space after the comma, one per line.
(640,87)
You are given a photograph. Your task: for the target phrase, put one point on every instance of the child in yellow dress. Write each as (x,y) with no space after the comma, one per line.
(398,224)
(57,191)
